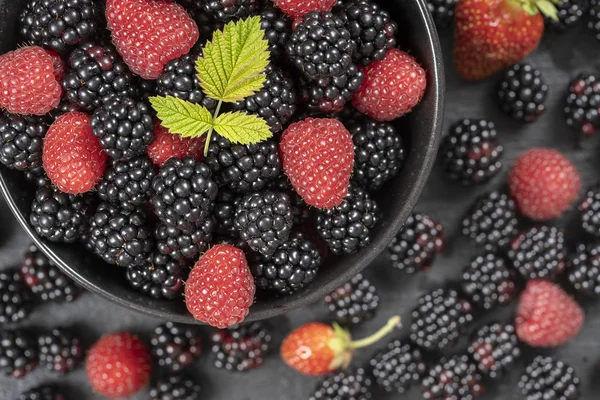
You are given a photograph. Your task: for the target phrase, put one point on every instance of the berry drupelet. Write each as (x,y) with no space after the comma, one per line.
(583,102)
(594,18)
(487,282)
(331,93)
(180,244)
(175,387)
(278,28)
(539,253)
(548,378)
(37,177)
(18,353)
(242,347)
(414,248)
(442,11)
(570,13)
(495,349)
(21,140)
(227,10)
(42,393)
(398,367)
(128,183)
(471,153)
(589,211)
(344,385)
(60,350)
(224,212)
(522,93)
(584,269)
(175,346)
(159,277)
(300,209)
(453,378)
(354,302)
(15,297)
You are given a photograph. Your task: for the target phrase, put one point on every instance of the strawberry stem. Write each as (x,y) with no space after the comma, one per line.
(212,128)
(392,323)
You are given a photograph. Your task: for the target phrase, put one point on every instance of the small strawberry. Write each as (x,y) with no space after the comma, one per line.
(297,8)
(166,146)
(72,157)
(150,33)
(118,365)
(318,156)
(543,183)
(547,316)
(317,349)
(30,80)
(220,288)
(491,35)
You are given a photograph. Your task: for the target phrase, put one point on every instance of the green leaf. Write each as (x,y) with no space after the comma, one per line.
(548,9)
(182,117)
(234,61)
(242,128)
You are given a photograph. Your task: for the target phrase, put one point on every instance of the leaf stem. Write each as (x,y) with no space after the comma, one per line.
(212,128)
(380,334)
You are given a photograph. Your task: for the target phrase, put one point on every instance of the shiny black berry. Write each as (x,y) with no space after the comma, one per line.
(549,378)
(594,18)
(453,378)
(522,93)
(583,103)
(495,349)
(42,393)
(569,12)
(15,297)
(226,10)
(442,11)
(241,348)
(589,211)
(278,28)
(583,271)
(488,282)
(354,302)
(344,385)
(18,352)
(175,346)
(539,253)
(329,94)
(21,140)
(160,276)
(180,244)
(60,350)
(128,183)
(175,387)
(399,367)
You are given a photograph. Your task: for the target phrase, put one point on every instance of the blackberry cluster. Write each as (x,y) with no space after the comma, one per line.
(442,11)
(175,387)
(227,10)
(414,248)
(321,46)
(344,385)
(583,103)
(224,212)
(21,140)
(584,269)
(179,244)
(492,221)
(18,353)
(347,228)
(159,277)
(42,393)
(589,211)
(278,28)
(128,183)
(453,378)
(439,319)
(495,349)
(275,102)
(398,367)
(59,24)
(37,177)
(175,346)
(58,216)
(570,13)
(354,302)
(60,350)
(15,297)
(548,378)
(242,347)
(594,18)
(300,209)
(522,93)
(488,282)
(264,220)
(330,94)
(471,153)
(291,267)
(539,253)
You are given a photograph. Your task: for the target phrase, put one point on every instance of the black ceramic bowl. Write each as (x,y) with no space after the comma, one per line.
(421,129)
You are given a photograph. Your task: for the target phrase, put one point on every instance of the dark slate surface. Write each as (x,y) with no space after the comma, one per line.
(559,58)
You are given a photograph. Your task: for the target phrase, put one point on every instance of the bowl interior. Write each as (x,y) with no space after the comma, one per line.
(421,130)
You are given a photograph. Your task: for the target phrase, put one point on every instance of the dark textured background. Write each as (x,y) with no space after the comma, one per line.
(559,58)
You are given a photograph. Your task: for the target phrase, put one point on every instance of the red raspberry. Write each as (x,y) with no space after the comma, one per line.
(167,145)
(543,184)
(118,365)
(391,87)
(72,157)
(546,315)
(150,33)
(220,289)
(297,8)
(318,156)
(29,81)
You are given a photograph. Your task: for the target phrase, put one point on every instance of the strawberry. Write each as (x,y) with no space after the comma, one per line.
(118,365)
(296,9)
(166,146)
(150,33)
(30,80)
(491,35)
(317,349)
(318,156)
(547,316)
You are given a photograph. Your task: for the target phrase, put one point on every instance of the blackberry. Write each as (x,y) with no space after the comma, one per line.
(331,93)
(548,378)
(62,108)
(37,177)
(120,237)
(594,18)
(471,153)
(522,93)
(42,393)
(18,353)
(179,244)
(321,46)
(344,385)
(415,246)
(46,281)
(60,350)
(371,28)
(492,221)
(175,387)
(278,28)
(539,253)
(227,10)
(570,13)
(379,152)
(488,282)
(243,168)
(453,378)
(442,11)
(264,220)
(354,302)
(15,298)
(300,209)
(584,269)
(495,349)
(589,211)
(175,346)
(398,367)
(439,319)
(347,228)
(59,24)
(95,73)
(241,348)
(224,212)
(128,183)
(184,193)
(21,140)
(583,102)
(160,277)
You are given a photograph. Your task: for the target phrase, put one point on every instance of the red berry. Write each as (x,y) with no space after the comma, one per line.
(220,289)
(391,87)
(546,315)
(543,184)
(118,365)
(297,8)
(306,349)
(29,81)
(150,33)
(318,156)
(167,145)
(72,157)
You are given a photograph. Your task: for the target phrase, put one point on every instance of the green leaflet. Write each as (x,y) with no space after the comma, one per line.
(242,128)
(182,117)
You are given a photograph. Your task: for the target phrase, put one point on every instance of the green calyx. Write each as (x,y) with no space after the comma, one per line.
(533,7)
